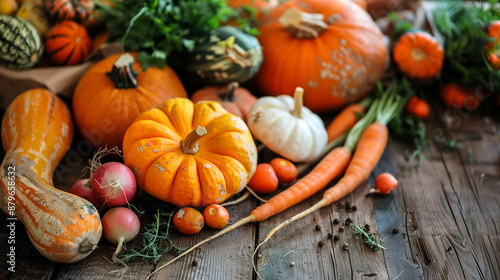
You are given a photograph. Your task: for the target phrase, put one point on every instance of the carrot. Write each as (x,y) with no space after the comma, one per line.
(369,149)
(329,168)
(346,119)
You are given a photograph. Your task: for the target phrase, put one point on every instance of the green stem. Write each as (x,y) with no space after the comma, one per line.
(356,131)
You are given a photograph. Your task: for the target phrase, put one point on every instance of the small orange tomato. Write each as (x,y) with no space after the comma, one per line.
(385,183)
(188,220)
(285,170)
(216,216)
(264,180)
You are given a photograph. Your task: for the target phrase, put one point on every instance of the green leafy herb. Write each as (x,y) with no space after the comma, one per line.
(155,234)
(462,26)
(160,28)
(369,238)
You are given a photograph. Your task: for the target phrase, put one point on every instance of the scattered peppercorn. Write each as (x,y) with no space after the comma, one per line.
(330,235)
(346,246)
(341,228)
(348,221)
(395,230)
(292,264)
(354,208)
(318,227)
(321,243)
(449,249)
(194,263)
(336,238)
(348,206)
(336,221)
(367,227)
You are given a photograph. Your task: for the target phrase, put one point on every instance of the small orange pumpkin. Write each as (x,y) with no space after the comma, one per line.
(67,43)
(69,9)
(190,154)
(234,99)
(331,49)
(114,91)
(418,55)
(492,49)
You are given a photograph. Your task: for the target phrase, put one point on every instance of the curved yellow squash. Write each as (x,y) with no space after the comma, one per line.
(36,133)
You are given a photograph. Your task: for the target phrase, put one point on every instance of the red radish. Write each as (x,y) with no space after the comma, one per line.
(82,189)
(385,183)
(113,184)
(120,225)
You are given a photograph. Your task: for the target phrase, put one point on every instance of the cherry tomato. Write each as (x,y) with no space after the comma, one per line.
(188,220)
(264,180)
(285,170)
(385,183)
(216,216)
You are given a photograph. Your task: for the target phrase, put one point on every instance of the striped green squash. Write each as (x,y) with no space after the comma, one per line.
(224,55)
(21,45)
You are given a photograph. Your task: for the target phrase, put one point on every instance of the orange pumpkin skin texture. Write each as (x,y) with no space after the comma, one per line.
(418,55)
(491,49)
(67,43)
(36,133)
(337,59)
(104,106)
(234,99)
(175,161)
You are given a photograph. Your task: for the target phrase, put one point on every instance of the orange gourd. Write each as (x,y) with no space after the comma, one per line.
(190,154)
(114,91)
(234,99)
(491,50)
(418,55)
(61,10)
(36,133)
(331,48)
(67,43)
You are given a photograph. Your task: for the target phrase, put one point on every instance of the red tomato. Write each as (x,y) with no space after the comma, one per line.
(216,216)
(285,170)
(385,183)
(264,180)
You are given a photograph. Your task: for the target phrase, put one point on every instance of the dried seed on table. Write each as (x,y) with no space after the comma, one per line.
(367,227)
(348,221)
(321,243)
(395,230)
(318,227)
(346,246)
(330,235)
(341,228)
(336,238)
(194,263)
(336,221)
(348,205)
(354,208)
(292,264)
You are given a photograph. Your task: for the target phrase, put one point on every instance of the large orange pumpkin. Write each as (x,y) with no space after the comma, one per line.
(190,154)
(114,91)
(331,48)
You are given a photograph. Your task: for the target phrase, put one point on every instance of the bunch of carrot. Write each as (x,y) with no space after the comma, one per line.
(367,138)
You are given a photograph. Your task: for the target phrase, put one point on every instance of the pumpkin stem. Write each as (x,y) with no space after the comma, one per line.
(87,246)
(298,97)
(122,74)
(238,55)
(189,145)
(228,94)
(301,24)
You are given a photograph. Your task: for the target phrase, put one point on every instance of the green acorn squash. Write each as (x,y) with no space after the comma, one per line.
(224,55)
(21,46)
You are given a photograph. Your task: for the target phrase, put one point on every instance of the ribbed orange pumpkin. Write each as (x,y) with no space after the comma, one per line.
(36,133)
(69,9)
(236,100)
(190,154)
(67,43)
(331,48)
(418,55)
(114,91)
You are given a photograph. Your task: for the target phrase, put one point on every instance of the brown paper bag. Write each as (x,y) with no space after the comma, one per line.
(60,80)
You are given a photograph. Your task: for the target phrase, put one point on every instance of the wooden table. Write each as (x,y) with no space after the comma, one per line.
(447,212)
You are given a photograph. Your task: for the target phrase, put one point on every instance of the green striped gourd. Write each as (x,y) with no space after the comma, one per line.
(21,46)
(224,55)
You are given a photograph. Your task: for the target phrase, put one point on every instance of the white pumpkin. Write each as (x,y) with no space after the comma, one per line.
(288,128)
